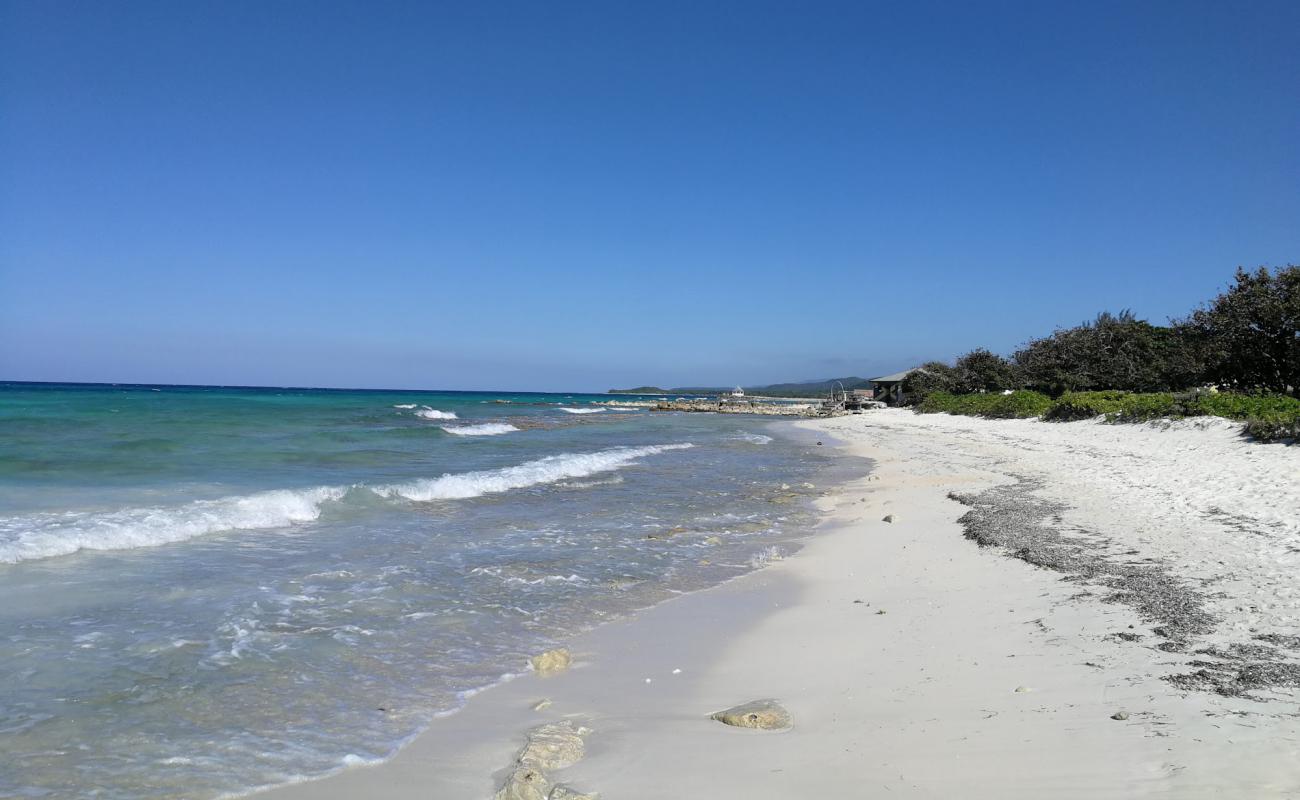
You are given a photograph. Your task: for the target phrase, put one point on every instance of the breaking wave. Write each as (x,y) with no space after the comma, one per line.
(61,534)
(407,406)
(486,429)
(433,413)
(46,535)
(583,410)
(532,473)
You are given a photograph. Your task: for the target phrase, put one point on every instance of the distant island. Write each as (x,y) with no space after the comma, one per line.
(802,389)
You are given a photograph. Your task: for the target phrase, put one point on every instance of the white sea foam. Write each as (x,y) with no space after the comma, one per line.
(407,406)
(486,429)
(433,413)
(46,535)
(533,473)
(768,555)
(583,410)
(755,438)
(57,534)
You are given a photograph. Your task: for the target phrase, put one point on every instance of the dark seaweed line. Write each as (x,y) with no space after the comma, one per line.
(1026,526)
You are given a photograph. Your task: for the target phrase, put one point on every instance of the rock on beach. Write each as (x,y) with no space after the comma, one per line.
(767,715)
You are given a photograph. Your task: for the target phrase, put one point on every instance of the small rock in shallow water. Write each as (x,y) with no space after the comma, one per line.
(766,715)
(1120,715)
(551,661)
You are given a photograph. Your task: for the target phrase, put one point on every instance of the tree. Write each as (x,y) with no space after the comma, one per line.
(1112,351)
(930,377)
(1251,332)
(982,371)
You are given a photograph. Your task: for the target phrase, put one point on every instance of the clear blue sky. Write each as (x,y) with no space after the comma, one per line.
(554,195)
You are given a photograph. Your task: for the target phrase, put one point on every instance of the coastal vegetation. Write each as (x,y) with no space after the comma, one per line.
(1236,357)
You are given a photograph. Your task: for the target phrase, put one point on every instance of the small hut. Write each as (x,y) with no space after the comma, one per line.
(889,388)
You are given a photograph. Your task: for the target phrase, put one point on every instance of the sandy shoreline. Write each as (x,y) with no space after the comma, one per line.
(916,664)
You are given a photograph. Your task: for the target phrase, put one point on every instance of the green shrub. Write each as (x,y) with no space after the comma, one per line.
(1116,406)
(1272,427)
(998,406)
(1268,417)
(1084,405)
(1139,407)
(1245,406)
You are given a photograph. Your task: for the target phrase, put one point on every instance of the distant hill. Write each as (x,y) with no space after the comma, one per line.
(808,388)
(803,389)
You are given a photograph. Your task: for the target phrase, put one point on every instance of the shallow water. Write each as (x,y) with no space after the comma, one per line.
(207,590)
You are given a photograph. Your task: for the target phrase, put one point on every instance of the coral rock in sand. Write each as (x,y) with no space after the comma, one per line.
(1120,715)
(542,705)
(766,715)
(525,784)
(551,661)
(888,518)
(554,745)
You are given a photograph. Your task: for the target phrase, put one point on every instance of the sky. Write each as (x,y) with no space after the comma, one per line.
(583,195)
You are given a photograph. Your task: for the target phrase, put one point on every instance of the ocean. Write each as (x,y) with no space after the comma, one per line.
(208,590)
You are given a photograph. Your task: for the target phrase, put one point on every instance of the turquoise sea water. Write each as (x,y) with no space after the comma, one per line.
(205,590)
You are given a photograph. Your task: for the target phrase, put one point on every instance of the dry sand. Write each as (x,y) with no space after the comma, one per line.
(918,665)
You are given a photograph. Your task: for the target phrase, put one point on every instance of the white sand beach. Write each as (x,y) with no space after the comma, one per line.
(917,664)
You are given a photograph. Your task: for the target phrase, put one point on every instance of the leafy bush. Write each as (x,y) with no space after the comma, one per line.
(1268,417)
(1139,407)
(1116,406)
(1084,405)
(1245,406)
(1272,427)
(1017,404)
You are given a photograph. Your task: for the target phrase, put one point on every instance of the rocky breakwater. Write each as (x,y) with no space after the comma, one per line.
(740,407)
